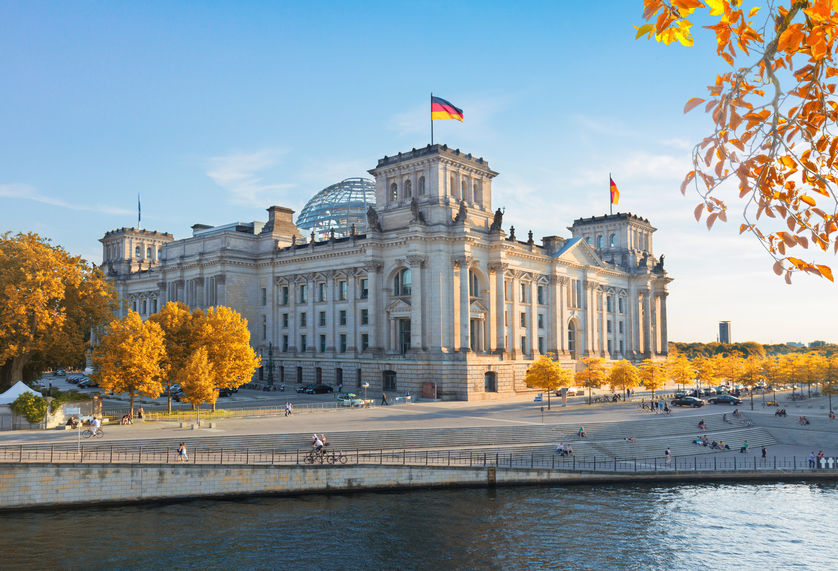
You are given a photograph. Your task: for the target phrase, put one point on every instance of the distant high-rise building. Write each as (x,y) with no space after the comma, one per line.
(724,332)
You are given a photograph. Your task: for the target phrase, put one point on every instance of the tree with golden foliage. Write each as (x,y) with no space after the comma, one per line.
(730,367)
(753,370)
(223,333)
(49,303)
(548,374)
(623,376)
(129,357)
(175,320)
(680,369)
(706,370)
(195,376)
(593,375)
(652,375)
(830,378)
(773,115)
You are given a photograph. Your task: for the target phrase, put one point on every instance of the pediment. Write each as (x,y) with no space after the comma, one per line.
(578,251)
(477,309)
(399,306)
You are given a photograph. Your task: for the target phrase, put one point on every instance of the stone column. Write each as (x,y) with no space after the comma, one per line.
(375,292)
(416,337)
(465,304)
(653,323)
(312,318)
(553,315)
(514,319)
(647,325)
(293,317)
(500,307)
(561,327)
(534,318)
(664,334)
(331,313)
(589,318)
(351,310)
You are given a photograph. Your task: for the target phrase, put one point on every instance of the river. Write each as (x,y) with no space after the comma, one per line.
(706,526)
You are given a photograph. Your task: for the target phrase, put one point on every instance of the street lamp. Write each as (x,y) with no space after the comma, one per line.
(270,364)
(365,386)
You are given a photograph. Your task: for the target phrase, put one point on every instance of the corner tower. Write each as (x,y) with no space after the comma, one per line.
(435,185)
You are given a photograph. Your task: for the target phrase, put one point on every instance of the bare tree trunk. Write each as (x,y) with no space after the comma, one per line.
(18,363)
(131,408)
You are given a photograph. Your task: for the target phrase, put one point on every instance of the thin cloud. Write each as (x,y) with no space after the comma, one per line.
(239,174)
(28,192)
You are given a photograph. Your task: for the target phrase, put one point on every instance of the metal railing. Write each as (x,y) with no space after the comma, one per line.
(214,455)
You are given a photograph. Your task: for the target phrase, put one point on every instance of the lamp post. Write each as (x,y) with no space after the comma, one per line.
(270,364)
(365,385)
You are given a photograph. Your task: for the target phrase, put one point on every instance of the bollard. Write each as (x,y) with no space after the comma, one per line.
(273,453)
(51,452)
(449,457)
(140,458)
(775,462)
(111,454)
(247,455)
(20,457)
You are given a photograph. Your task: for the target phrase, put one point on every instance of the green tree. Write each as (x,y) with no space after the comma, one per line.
(49,303)
(593,375)
(129,357)
(547,374)
(31,406)
(623,376)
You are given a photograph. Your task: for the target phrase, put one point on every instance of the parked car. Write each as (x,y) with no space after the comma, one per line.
(688,401)
(305,388)
(320,389)
(225,392)
(725,399)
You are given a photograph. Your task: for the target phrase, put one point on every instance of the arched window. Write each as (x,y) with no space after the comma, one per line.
(148,253)
(454,187)
(613,240)
(464,188)
(401,283)
(478,194)
(394,192)
(600,242)
(421,185)
(408,189)
(159,255)
(138,252)
(571,339)
(474,284)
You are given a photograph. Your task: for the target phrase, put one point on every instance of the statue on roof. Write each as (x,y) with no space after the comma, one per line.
(372,220)
(461,213)
(417,214)
(497,221)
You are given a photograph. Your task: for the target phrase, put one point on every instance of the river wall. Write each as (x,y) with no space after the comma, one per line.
(25,486)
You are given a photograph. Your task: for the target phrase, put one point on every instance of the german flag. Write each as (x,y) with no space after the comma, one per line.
(615,194)
(441,109)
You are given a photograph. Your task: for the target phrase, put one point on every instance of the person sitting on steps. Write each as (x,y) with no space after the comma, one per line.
(581,432)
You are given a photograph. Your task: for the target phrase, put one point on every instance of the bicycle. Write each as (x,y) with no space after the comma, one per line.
(314,455)
(336,458)
(87,433)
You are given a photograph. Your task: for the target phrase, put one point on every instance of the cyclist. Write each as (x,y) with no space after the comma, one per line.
(95,426)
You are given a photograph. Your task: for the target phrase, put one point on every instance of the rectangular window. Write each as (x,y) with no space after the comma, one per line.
(321,291)
(322,319)
(621,347)
(365,292)
(134,306)
(523,344)
(303,293)
(540,321)
(620,304)
(609,345)
(540,292)
(284,295)
(303,343)
(145,307)
(620,326)
(365,316)
(342,290)
(322,343)
(299,375)
(506,318)
(154,306)
(365,341)
(285,320)
(303,319)
(523,319)
(524,288)
(284,343)
(507,290)
(343,342)
(264,294)
(541,344)
(608,326)
(342,317)
(264,327)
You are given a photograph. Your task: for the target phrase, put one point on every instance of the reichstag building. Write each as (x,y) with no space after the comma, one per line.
(410,282)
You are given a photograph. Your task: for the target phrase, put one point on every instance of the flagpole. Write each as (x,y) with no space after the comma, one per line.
(139,213)
(432,119)
(610,199)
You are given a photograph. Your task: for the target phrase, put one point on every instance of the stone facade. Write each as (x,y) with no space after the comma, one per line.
(436,298)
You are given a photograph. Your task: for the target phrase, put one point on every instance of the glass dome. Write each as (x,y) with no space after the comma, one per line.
(338,207)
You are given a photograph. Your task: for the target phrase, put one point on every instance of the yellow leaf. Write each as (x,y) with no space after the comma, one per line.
(646,29)
(808,200)
(753,11)
(826,272)
(717,7)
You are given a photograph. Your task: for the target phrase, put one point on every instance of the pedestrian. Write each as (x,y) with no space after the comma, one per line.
(181,450)
(744,449)
(763,453)
(384,399)
(668,455)
(812,459)
(289,410)
(140,412)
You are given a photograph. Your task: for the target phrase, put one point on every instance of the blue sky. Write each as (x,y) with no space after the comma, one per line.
(216,110)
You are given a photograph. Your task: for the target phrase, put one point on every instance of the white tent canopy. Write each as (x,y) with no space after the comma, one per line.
(11,395)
